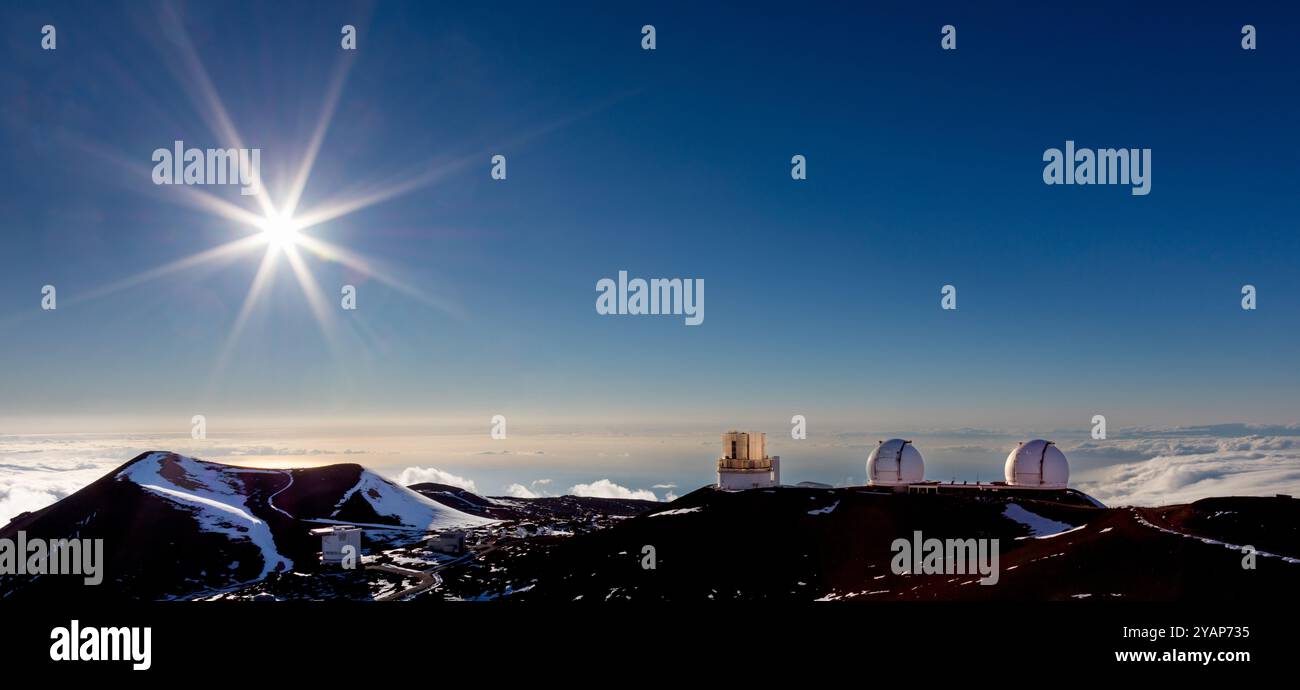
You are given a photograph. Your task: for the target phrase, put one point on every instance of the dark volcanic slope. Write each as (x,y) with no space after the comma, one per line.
(152,548)
(538,509)
(178,527)
(804,544)
(463,500)
(1268,524)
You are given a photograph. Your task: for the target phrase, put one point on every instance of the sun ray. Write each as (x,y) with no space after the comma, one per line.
(312,291)
(265,271)
(206,100)
(229,249)
(380,193)
(333,252)
(188,195)
(431,174)
(299,183)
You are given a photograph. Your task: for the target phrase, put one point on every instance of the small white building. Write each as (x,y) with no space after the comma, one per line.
(335,539)
(449,542)
(745,464)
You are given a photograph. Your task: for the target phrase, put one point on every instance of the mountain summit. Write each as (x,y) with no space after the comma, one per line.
(178,527)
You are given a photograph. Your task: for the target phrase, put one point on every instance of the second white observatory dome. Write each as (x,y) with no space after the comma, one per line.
(1037,464)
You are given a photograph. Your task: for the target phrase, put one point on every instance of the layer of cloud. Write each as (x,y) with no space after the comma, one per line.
(28,486)
(535,489)
(970,449)
(1239,469)
(521,491)
(1146,448)
(604,488)
(1218,430)
(16,500)
(423,475)
(960,432)
(206,452)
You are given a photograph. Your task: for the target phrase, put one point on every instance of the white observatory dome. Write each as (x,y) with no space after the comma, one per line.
(1037,463)
(895,462)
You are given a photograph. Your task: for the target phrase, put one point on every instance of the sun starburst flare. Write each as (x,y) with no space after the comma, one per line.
(284,230)
(281,231)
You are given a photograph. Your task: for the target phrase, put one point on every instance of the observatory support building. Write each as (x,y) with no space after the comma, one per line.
(744,463)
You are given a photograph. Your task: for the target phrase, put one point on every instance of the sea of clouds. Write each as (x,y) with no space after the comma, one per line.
(36,471)
(1167,468)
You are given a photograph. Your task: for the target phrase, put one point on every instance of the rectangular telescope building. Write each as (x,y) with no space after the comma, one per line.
(745,464)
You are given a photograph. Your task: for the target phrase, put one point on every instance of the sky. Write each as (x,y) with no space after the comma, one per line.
(476,296)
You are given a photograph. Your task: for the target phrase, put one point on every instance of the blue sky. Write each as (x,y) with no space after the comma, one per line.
(822,296)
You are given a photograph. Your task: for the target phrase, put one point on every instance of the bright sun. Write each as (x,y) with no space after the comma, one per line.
(279,231)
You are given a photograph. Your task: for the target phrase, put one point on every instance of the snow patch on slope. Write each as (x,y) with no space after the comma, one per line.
(1038,525)
(825,511)
(408,507)
(214,495)
(678,511)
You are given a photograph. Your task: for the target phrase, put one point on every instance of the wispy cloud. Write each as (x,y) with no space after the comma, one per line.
(521,491)
(423,475)
(536,489)
(604,488)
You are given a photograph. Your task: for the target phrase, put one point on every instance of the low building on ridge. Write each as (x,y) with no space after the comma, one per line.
(451,542)
(334,542)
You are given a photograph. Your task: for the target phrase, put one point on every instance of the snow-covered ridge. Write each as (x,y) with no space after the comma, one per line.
(408,507)
(1213,542)
(215,496)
